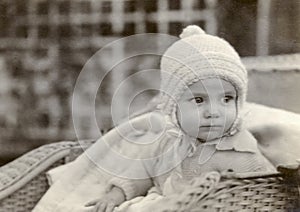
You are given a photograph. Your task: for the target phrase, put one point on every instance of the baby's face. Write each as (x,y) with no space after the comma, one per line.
(207,109)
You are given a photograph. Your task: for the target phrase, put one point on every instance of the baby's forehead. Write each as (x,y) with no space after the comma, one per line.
(211,86)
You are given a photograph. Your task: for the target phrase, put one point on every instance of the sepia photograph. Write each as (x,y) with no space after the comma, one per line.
(149,105)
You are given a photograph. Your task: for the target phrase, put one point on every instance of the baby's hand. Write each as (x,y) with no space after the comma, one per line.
(102,205)
(108,202)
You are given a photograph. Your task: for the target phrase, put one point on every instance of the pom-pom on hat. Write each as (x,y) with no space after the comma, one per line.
(198,56)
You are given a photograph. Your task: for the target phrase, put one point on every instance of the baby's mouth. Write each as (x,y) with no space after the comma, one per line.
(210,126)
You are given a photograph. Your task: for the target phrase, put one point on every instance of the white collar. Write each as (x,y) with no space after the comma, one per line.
(242,141)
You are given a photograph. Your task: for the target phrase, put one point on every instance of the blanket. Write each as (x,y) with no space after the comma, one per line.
(277,132)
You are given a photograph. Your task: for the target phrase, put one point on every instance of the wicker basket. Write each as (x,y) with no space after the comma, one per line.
(233,192)
(23,182)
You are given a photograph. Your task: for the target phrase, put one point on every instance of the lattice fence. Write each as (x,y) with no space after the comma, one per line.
(45,43)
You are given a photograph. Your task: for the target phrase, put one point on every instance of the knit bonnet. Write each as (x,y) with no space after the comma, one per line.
(196,56)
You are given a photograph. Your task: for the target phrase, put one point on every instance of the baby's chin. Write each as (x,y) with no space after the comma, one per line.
(203,138)
(211,133)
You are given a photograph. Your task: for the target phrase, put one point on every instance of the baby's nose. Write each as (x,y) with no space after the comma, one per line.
(211,112)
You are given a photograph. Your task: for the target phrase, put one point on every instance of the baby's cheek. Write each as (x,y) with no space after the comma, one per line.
(188,117)
(190,125)
(230,116)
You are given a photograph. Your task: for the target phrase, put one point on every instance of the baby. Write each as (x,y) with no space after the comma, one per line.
(203,89)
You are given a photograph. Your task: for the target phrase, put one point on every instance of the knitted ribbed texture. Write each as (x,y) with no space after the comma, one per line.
(226,160)
(197,56)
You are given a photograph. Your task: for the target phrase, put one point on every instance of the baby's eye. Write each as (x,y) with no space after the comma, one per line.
(227,99)
(198,100)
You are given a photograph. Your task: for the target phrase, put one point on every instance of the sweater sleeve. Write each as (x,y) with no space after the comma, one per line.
(263,163)
(245,155)
(131,187)
(251,162)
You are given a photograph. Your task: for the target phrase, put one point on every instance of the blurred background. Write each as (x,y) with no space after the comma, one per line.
(44,45)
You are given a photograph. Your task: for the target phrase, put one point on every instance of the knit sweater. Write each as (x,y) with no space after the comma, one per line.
(238,153)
